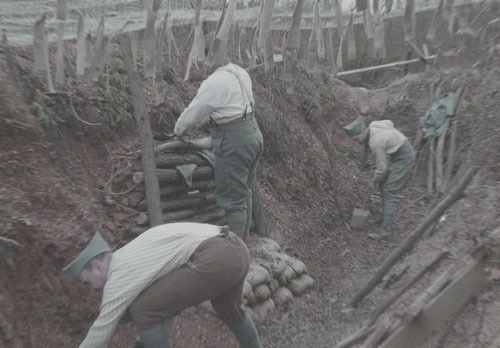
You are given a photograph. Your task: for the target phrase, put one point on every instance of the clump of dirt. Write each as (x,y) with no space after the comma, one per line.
(58,159)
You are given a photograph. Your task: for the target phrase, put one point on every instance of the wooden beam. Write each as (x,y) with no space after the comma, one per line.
(451,299)
(388,65)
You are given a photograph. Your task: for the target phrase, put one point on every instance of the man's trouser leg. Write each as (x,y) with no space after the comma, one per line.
(400,165)
(216,270)
(388,209)
(237,147)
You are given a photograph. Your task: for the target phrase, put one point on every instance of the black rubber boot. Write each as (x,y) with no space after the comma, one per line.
(246,333)
(156,337)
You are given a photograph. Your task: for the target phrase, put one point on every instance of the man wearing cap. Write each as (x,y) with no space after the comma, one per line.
(225,100)
(157,275)
(394,158)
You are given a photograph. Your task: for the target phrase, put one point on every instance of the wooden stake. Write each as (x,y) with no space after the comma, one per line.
(144,127)
(388,65)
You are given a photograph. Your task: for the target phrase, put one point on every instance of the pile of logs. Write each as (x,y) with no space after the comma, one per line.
(274,278)
(180,202)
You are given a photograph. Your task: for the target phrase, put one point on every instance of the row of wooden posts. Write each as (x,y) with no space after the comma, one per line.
(158,40)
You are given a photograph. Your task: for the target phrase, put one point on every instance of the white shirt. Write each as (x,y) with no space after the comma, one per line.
(137,265)
(224,94)
(384,140)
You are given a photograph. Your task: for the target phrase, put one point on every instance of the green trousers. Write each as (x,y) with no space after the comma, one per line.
(237,147)
(216,271)
(400,165)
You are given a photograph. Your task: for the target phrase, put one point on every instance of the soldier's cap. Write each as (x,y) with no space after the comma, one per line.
(355,127)
(96,246)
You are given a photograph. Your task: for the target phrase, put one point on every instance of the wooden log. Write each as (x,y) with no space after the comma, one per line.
(173,176)
(60,44)
(418,140)
(184,144)
(187,201)
(382,66)
(451,157)
(415,49)
(436,19)
(416,307)
(375,337)
(220,222)
(450,163)
(439,158)
(142,219)
(141,116)
(203,215)
(440,308)
(356,337)
(172,160)
(451,197)
(167,191)
(208,217)
(186,213)
(381,308)
(430,166)
(134,231)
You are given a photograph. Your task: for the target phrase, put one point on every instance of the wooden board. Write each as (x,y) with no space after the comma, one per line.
(443,306)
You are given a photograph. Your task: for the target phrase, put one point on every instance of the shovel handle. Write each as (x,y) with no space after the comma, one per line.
(365,202)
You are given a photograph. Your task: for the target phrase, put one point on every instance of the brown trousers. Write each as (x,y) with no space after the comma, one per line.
(216,271)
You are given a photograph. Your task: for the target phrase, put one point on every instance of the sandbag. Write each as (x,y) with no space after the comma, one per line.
(285,277)
(298,285)
(265,246)
(298,266)
(282,296)
(257,275)
(247,288)
(274,285)
(261,310)
(262,292)
(251,299)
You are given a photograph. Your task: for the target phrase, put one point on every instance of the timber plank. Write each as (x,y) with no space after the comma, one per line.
(447,302)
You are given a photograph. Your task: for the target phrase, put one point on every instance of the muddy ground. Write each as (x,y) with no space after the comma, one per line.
(58,159)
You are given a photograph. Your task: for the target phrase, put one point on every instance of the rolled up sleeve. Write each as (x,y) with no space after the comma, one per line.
(198,111)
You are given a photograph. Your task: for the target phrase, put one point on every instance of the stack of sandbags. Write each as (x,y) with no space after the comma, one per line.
(274,278)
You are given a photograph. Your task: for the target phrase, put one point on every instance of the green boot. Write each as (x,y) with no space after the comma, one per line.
(388,212)
(246,333)
(156,337)
(236,220)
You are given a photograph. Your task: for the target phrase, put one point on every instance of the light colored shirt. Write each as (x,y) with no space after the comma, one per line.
(134,267)
(384,140)
(223,95)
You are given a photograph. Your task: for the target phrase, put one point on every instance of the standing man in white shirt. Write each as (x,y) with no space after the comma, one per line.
(225,100)
(394,158)
(157,275)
